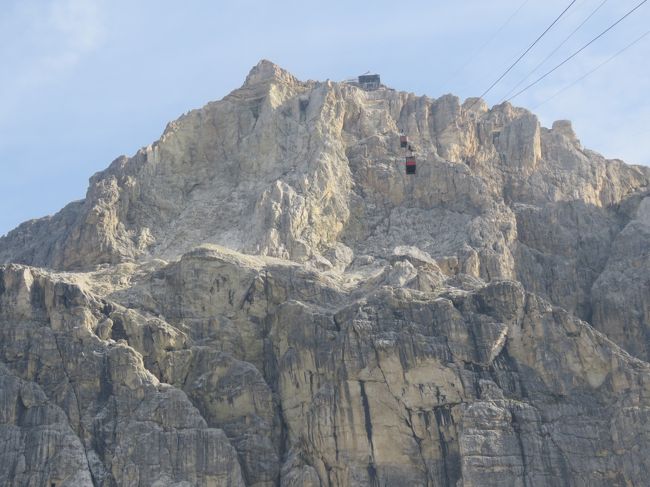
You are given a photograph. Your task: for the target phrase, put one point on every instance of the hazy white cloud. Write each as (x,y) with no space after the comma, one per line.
(44,40)
(80,29)
(80,20)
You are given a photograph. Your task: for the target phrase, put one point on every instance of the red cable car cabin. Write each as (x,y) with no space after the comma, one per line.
(403,141)
(410,165)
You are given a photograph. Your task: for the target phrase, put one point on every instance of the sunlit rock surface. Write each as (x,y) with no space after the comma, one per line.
(263,297)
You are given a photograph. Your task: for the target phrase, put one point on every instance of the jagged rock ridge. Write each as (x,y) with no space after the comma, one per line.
(263,297)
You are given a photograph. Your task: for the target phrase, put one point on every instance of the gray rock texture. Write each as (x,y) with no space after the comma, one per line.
(264,298)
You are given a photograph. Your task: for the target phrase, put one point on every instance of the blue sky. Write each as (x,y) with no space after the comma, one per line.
(84,81)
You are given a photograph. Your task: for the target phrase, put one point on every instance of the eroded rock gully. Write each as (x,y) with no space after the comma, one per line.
(263,298)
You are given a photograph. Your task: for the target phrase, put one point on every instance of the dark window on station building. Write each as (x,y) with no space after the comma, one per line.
(369,82)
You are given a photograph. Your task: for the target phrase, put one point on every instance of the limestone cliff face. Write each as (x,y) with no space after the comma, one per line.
(262,297)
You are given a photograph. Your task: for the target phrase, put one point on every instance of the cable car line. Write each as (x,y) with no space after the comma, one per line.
(566,39)
(486,43)
(524,53)
(409,154)
(621,51)
(578,51)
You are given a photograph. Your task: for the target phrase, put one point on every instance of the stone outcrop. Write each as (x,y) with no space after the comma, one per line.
(262,297)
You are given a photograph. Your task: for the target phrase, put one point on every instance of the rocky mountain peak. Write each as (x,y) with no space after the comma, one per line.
(313,172)
(265,71)
(264,296)
(565,128)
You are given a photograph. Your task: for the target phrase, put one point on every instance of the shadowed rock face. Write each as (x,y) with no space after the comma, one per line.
(263,297)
